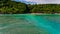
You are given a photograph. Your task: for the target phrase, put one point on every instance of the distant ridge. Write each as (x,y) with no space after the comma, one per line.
(29,2)
(26,2)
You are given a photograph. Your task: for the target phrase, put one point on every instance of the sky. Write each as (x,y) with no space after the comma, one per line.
(43,1)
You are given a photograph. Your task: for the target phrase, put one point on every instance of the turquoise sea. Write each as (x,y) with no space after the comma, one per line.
(29,24)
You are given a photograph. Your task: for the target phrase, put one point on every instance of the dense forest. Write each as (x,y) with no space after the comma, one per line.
(13,7)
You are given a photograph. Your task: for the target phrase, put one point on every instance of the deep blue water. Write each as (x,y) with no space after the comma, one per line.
(29,24)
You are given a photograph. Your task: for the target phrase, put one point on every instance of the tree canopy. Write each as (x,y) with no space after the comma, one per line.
(13,7)
(8,6)
(46,8)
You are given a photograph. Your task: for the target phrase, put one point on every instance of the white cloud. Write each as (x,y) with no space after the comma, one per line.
(45,1)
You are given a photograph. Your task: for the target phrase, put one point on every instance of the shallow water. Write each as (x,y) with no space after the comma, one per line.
(29,24)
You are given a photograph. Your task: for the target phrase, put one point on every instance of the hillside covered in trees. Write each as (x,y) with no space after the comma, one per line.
(13,7)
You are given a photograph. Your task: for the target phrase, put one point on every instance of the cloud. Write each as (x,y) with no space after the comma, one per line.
(42,1)
(45,1)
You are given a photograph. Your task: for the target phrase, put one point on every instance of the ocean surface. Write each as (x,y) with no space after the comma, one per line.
(29,24)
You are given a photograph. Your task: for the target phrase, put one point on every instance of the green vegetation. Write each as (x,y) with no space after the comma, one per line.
(13,7)
(46,8)
(10,7)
